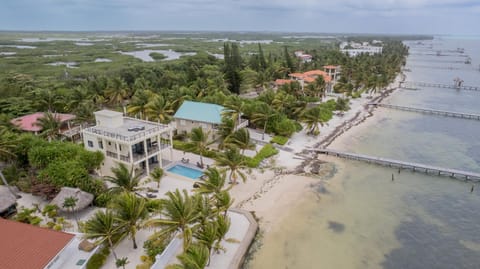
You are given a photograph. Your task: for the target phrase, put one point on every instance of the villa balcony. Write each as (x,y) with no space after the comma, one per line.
(112,154)
(72,131)
(153,149)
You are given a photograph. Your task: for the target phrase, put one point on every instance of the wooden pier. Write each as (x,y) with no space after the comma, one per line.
(439,85)
(439,55)
(408,88)
(430,111)
(439,61)
(432,170)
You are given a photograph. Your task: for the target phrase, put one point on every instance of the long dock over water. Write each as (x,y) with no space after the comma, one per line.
(430,111)
(432,170)
(439,85)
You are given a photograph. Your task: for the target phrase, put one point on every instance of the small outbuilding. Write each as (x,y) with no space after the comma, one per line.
(84,199)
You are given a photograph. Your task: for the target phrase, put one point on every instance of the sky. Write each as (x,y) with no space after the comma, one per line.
(321,16)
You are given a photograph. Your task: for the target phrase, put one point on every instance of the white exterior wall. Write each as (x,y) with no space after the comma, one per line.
(88,137)
(185,126)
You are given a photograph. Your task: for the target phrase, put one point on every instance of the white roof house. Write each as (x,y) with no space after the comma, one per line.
(134,142)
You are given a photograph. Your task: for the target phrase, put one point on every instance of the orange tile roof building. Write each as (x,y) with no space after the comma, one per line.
(329,74)
(25,246)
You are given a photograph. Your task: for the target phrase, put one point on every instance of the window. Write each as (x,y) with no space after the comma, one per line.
(90,143)
(183,123)
(120,147)
(109,143)
(100,144)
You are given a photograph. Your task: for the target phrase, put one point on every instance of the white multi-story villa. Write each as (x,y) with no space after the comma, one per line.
(138,143)
(353,49)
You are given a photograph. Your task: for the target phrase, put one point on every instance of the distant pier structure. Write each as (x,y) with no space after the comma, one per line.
(458,85)
(458,82)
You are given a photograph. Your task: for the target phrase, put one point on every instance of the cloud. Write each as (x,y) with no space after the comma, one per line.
(277,15)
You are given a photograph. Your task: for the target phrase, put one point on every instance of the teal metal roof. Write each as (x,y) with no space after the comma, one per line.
(203,112)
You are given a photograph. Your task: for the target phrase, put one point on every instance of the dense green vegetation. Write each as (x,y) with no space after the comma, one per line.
(154,91)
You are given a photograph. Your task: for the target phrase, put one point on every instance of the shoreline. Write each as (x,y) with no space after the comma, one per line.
(271,195)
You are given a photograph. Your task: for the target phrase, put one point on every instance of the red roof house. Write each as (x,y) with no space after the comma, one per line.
(25,246)
(29,122)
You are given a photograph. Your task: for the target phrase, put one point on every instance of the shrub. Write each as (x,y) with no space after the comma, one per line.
(267,151)
(156,245)
(71,174)
(157,56)
(342,104)
(98,259)
(281,140)
(284,127)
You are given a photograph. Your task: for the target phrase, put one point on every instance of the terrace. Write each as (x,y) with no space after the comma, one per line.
(130,131)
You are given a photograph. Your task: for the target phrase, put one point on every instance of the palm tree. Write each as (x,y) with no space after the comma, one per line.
(123,179)
(178,213)
(159,109)
(213,183)
(206,235)
(262,115)
(234,162)
(199,142)
(105,226)
(116,91)
(241,139)
(121,262)
(70,203)
(195,257)
(130,211)
(77,97)
(205,211)
(225,130)
(234,106)
(223,201)
(7,145)
(297,108)
(84,112)
(316,116)
(282,101)
(320,86)
(46,99)
(223,225)
(50,126)
(156,176)
(139,103)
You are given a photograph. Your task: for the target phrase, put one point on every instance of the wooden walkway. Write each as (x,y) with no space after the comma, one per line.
(439,55)
(439,85)
(430,111)
(439,61)
(432,170)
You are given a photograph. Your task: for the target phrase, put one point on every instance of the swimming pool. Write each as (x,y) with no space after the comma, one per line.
(185,171)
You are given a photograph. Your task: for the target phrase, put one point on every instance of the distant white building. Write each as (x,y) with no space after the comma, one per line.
(306,58)
(353,49)
(138,143)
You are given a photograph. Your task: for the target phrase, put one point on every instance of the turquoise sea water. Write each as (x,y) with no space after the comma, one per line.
(360,218)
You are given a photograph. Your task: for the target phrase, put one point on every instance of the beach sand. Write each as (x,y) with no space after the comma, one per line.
(270,196)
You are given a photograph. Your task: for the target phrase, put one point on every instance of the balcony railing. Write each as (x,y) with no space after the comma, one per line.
(112,154)
(152,149)
(72,131)
(242,124)
(130,138)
